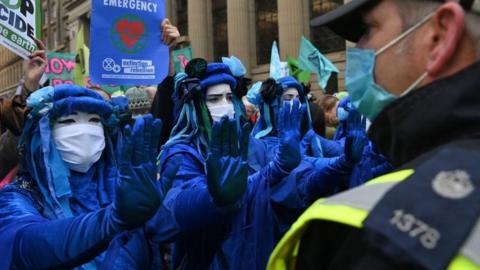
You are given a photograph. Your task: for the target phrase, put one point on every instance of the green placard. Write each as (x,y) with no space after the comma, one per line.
(181,58)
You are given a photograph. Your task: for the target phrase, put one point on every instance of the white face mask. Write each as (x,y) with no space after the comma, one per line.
(219,102)
(80,140)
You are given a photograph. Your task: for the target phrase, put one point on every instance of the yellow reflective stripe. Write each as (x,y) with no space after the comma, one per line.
(339,213)
(285,253)
(461,262)
(392,177)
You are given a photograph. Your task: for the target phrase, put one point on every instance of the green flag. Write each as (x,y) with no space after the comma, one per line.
(303,76)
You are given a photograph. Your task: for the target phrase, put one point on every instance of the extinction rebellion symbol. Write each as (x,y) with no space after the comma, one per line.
(129,34)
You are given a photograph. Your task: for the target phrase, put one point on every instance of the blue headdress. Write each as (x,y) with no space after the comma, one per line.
(193,120)
(42,162)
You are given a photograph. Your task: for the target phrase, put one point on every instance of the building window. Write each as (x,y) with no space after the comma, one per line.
(182,17)
(325,39)
(266,19)
(220,29)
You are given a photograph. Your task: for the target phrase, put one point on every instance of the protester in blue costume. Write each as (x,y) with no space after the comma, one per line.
(269,96)
(372,163)
(72,206)
(343,108)
(217,215)
(318,175)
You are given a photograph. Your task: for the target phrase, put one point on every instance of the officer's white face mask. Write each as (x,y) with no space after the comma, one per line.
(80,139)
(219,102)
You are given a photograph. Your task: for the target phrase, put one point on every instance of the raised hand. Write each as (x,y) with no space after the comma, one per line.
(35,67)
(356,136)
(170,33)
(289,121)
(137,196)
(227,169)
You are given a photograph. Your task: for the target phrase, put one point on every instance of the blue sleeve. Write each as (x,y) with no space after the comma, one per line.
(187,205)
(194,207)
(132,251)
(332,148)
(286,193)
(312,179)
(257,155)
(39,243)
(16,211)
(328,177)
(371,166)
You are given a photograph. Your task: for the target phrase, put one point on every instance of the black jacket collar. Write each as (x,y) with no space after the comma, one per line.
(436,114)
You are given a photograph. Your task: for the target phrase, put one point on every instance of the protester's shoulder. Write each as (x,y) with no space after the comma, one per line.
(180,150)
(14,192)
(17,201)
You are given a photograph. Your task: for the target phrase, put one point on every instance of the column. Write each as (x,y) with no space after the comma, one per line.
(238,20)
(291,27)
(198,27)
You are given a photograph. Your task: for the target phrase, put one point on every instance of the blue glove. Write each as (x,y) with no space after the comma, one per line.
(71,242)
(356,137)
(288,126)
(227,168)
(137,196)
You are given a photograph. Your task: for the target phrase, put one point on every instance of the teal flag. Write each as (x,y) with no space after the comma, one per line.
(310,58)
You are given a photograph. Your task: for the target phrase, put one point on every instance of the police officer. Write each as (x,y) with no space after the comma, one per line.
(415,74)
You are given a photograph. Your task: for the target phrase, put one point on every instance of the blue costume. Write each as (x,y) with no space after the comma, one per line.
(55,217)
(209,234)
(373,163)
(321,157)
(343,108)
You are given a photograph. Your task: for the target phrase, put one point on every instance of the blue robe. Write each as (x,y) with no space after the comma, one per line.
(241,236)
(21,207)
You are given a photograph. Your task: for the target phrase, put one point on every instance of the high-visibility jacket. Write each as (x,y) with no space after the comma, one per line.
(351,208)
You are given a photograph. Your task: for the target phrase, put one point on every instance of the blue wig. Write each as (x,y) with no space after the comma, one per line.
(42,162)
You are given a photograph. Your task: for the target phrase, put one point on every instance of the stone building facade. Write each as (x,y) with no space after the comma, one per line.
(215,28)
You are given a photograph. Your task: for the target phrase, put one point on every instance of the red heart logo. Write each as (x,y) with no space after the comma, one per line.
(130,32)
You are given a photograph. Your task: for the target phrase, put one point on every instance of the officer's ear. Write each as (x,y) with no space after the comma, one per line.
(447,28)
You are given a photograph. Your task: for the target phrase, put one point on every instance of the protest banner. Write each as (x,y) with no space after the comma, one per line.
(128,49)
(60,67)
(20,24)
